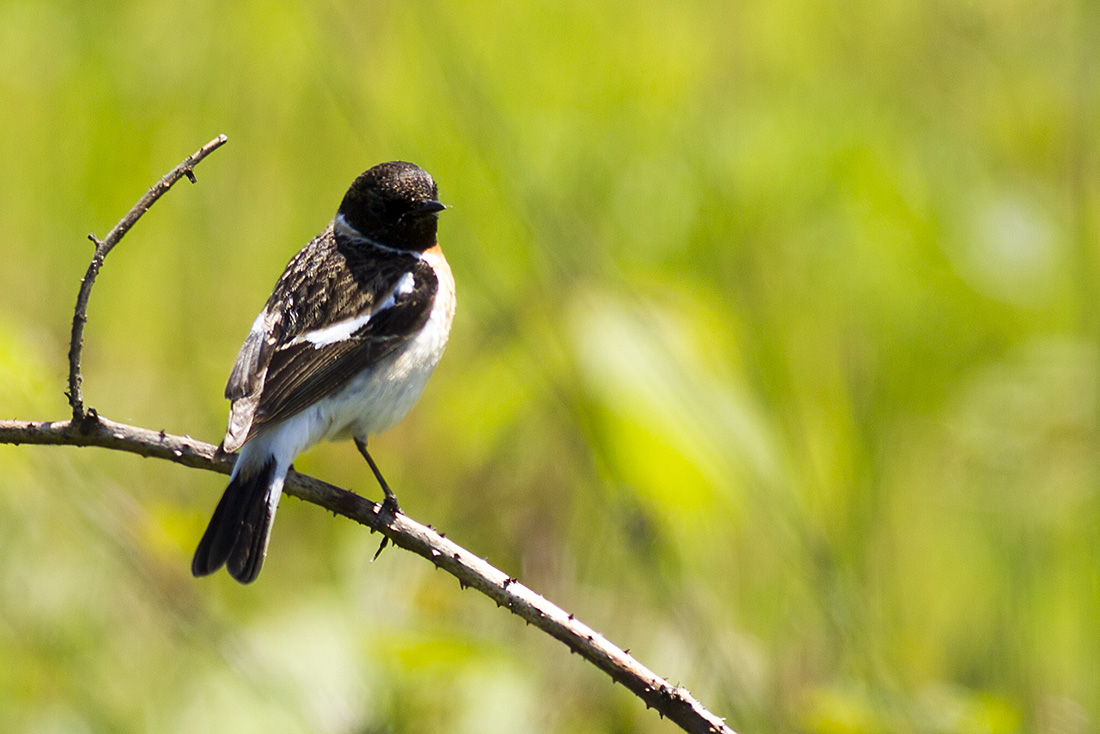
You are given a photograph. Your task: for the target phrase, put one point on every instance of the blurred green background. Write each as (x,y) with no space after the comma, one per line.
(776,361)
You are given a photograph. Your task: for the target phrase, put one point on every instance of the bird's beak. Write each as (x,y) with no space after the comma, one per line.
(429,206)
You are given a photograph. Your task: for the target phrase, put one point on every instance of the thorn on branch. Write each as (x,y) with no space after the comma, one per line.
(381,547)
(88,422)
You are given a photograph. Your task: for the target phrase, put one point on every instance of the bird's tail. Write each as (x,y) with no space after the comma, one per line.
(241,526)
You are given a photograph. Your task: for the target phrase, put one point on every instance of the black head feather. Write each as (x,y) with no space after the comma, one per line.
(394,204)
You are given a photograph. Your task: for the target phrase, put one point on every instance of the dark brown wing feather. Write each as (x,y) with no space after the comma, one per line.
(329,281)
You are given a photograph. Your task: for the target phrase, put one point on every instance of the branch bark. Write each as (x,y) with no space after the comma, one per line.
(88,428)
(674,702)
(102,249)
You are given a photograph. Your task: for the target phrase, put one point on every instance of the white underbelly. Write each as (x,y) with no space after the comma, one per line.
(377,400)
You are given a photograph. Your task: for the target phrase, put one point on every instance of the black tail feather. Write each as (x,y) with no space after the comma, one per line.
(239,529)
(248,553)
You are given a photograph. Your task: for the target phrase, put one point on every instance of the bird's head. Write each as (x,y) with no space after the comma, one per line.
(393,204)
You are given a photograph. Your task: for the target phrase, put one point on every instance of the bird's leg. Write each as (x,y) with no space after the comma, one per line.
(390,503)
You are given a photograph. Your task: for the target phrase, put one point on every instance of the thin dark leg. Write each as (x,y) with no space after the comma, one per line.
(390,503)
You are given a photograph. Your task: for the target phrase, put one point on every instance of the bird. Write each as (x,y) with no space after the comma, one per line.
(353,329)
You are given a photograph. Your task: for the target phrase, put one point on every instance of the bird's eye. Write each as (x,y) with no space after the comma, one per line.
(404,209)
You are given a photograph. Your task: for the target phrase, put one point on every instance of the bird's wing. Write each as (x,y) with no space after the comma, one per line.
(335,312)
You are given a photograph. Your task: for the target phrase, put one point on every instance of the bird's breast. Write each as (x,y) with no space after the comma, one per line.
(380,397)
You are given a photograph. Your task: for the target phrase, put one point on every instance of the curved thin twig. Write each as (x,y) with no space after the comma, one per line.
(102,248)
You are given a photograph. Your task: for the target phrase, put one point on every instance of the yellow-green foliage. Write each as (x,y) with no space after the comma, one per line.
(775,360)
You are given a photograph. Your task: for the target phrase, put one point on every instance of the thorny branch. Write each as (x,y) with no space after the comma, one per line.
(87,428)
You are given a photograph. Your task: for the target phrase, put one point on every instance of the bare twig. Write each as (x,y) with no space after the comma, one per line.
(104,246)
(87,428)
(676,703)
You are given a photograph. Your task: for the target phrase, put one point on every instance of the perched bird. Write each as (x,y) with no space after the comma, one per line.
(343,348)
